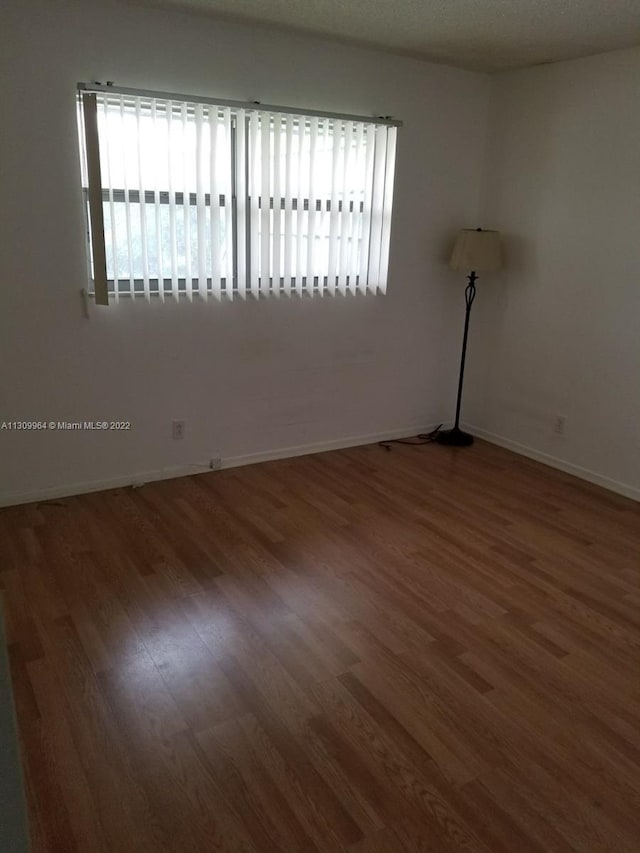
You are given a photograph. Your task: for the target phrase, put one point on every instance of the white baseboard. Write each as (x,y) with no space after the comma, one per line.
(70,489)
(140,477)
(321,447)
(554,462)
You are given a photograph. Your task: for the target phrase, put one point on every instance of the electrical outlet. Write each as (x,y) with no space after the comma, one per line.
(215,463)
(559,424)
(177,430)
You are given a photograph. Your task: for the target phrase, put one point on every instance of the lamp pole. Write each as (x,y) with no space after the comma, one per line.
(456,437)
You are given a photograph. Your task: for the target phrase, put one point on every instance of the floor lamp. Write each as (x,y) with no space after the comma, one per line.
(475,251)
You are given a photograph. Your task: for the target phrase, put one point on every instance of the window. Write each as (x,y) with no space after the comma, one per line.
(187,197)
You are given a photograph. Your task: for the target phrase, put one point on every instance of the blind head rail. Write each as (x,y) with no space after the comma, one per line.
(110,89)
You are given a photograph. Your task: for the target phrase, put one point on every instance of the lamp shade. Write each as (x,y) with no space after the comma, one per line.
(477,250)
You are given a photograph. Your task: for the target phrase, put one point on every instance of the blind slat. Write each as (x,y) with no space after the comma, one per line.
(173,242)
(302,176)
(143,210)
(255,177)
(157,189)
(276,249)
(228,211)
(265,203)
(387,206)
(96,208)
(214,213)
(201,216)
(313,191)
(112,209)
(368,197)
(288,208)
(345,214)
(375,242)
(187,158)
(334,220)
(355,231)
(241,204)
(126,170)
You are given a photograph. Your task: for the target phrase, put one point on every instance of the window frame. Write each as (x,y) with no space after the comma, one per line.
(104,287)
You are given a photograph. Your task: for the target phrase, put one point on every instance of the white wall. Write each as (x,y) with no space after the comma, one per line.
(251,377)
(559,331)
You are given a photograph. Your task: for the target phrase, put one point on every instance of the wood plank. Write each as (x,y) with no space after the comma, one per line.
(362,651)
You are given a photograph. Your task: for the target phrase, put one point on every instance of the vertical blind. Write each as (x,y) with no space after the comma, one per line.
(196,198)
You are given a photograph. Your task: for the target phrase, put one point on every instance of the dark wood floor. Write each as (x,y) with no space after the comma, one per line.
(427,649)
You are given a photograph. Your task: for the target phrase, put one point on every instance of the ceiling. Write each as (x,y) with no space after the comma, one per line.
(487,35)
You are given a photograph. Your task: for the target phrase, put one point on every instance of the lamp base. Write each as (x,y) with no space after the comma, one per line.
(454,438)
